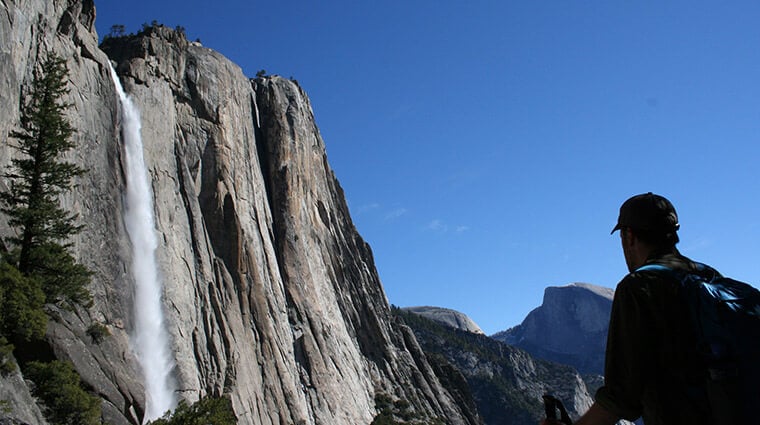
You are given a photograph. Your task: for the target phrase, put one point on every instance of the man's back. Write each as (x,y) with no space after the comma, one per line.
(652,369)
(653,366)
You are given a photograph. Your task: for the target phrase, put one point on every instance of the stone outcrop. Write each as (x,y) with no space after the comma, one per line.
(569,327)
(451,318)
(271,295)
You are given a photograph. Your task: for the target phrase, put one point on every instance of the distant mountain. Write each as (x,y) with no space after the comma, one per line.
(506,383)
(569,327)
(447,317)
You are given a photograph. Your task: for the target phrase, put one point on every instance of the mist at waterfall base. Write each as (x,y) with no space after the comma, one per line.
(150,339)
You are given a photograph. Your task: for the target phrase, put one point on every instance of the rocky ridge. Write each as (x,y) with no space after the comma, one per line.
(451,318)
(506,383)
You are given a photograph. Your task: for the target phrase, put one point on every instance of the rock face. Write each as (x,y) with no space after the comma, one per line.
(271,295)
(451,318)
(569,327)
(505,382)
(16,397)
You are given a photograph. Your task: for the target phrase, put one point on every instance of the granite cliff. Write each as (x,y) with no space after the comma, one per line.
(569,327)
(270,294)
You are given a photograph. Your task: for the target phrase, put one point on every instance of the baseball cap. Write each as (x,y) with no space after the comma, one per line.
(648,212)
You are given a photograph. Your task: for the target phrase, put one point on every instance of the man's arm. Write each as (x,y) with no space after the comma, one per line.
(597,415)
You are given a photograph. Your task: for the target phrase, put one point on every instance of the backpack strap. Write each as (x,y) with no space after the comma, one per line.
(654,267)
(697,270)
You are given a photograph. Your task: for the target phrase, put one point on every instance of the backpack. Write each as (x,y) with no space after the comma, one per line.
(725,316)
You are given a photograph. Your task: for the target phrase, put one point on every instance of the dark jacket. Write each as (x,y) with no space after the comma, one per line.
(651,368)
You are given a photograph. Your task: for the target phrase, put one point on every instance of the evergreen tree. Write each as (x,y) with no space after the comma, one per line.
(36,180)
(213,410)
(58,385)
(22,317)
(39,268)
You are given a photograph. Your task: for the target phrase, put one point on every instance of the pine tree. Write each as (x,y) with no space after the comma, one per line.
(36,180)
(22,317)
(39,268)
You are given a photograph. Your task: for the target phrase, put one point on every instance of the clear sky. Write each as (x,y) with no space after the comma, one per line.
(486,146)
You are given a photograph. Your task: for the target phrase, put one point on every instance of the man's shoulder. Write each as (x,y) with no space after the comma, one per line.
(676,266)
(653,278)
(637,284)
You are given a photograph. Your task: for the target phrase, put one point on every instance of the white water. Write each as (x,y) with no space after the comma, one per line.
(150,339)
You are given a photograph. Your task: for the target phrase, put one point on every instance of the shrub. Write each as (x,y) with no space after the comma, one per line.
(58,386)
(22,316)
(211,410)
(98,332)
(7,365)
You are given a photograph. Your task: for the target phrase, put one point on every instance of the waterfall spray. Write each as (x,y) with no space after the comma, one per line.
(150,339)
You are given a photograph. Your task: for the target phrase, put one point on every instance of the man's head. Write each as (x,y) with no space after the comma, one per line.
(646,222)
(651,217)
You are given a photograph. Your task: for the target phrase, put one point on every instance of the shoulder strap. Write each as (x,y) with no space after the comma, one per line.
(654,267)
(698,268)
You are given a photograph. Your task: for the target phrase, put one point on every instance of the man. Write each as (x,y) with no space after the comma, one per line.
(651,369)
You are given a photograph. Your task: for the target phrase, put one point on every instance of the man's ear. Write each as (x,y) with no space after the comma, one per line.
(627,236)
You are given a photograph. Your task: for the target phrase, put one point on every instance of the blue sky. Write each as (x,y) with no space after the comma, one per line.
(486,146)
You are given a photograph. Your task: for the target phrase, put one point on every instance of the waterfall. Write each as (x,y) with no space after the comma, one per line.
(150,339)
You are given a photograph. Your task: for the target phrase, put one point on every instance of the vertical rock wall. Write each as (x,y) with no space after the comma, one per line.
(271,295)
(29,30)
